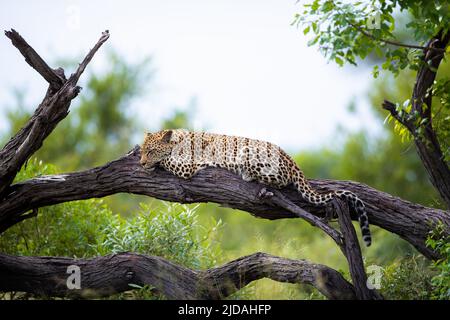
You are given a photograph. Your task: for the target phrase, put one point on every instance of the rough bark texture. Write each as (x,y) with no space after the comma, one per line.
(103,276)
(53,109)
(427,143)
(410,221)
(352,251)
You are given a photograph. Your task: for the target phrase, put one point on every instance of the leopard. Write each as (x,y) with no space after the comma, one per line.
(184,153)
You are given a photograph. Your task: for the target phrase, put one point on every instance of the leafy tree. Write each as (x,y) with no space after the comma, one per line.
(346,32)
(351,32)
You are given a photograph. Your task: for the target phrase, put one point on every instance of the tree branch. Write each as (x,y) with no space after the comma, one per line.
(103,276)
(276,198)
(54,78)
(82,66)
(410,221)
(352,252)
(394,43)
(403,118)
(427,144)
(50,112)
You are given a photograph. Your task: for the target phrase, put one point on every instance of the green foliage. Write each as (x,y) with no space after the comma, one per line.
(441,114)
(346,31)
(407,279)
(181,118)
(439,240)
(172,232)
(414,277)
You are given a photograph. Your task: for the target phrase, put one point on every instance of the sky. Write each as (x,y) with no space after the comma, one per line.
(248,70)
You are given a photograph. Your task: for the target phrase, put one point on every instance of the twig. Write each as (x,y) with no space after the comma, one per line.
(403,119)
(395,43)
(74,77)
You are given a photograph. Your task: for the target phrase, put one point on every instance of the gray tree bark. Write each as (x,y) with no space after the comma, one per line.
(104,276)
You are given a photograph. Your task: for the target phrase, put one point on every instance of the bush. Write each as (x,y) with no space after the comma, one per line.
(408,279)
(417,278)
(439,240)
(172,232)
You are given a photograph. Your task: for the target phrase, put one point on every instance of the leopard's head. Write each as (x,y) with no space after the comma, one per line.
(156,147)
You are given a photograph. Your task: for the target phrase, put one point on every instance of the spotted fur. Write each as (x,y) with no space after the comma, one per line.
(184,153)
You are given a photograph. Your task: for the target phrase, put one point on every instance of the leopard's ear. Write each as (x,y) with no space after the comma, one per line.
(166,136)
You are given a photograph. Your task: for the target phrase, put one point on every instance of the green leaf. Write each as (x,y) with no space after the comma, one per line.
(339,61)
(376,71)
(306,30)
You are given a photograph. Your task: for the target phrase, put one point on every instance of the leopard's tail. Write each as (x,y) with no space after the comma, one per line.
(355,204)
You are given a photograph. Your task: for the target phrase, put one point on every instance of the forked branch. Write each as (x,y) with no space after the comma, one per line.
(49,113)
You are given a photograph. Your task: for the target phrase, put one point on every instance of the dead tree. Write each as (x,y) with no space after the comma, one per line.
(21,201)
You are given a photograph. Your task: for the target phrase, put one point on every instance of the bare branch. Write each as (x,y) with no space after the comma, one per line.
(104,276)
(50,112)
(55,79)
(74,78)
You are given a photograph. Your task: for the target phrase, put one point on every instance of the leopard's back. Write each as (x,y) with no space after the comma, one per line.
(253,159)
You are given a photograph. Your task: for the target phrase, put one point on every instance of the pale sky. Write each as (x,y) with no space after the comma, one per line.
(251,73)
